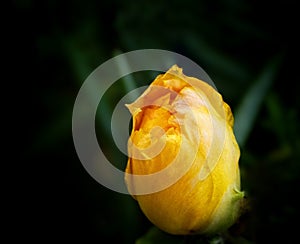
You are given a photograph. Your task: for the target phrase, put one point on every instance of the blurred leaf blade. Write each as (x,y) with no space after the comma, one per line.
(250,105)
(221,61)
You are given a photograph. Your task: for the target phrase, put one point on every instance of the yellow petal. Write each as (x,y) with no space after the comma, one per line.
(183,119)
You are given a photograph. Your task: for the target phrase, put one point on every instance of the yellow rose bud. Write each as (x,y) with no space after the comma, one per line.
(183,126)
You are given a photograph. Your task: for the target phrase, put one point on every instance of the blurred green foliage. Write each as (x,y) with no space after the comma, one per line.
(59,43)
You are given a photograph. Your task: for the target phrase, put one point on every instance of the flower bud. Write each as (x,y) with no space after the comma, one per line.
(182,127)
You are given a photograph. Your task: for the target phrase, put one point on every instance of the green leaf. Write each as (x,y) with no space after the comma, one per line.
(222,62)
(249,107)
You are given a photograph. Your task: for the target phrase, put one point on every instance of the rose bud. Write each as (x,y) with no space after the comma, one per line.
(183,150)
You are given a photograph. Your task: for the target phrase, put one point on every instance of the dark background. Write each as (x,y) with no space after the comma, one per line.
(55,46)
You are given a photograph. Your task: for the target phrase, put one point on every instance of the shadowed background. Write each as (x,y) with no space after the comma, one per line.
(247,47)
